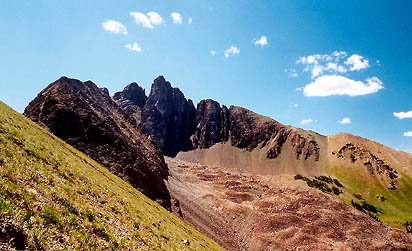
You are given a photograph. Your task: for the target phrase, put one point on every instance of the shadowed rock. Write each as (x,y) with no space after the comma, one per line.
(86,117)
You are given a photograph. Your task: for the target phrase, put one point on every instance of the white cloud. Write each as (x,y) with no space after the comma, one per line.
(177,18)
(339,55)
(147,21)
(320,64)
(317,70)
(329,85)
(134,47)
(212,52)
(357,62)
(189,20)
(306,121)
(295,105)
(299,89)
(262,41)
(345,121)
(403,115)
(335,67)
(114,27)
(232,51)
(155,18)
(407,134)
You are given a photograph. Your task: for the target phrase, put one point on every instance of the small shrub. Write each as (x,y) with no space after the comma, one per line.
(337,183)
(5,207)
(325,179)
(358,196)
(298,177)
(382,198)
(90,215)
(408,226)
(101,232)
(336,190)
(319,185)
(50,216)
(8,154)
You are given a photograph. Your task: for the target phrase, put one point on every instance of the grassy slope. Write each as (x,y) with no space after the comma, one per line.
(397,208)
(62,199)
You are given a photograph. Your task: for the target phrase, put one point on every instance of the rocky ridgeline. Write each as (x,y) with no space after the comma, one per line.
(375,165)
(176,125)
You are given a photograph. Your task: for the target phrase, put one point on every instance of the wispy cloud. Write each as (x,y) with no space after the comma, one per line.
(232,51)
(323,64)
(292,73)
(149,20)
(189,20)
(329,85)
(262,41)
(134,47)
(345,121)
(407,134)
(306,121)
(114,27)
(177,18)
(295,105)
(212,52)
(403,115)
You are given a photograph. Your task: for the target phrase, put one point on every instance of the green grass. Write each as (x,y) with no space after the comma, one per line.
(62,200)
(395,206)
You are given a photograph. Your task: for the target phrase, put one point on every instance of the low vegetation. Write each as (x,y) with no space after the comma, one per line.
(408,226)
(54,197)
(321,183)
(367,208)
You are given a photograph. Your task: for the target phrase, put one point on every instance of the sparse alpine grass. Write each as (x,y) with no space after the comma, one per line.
(53,197)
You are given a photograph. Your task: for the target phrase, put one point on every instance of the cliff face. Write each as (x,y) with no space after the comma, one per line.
(175,125)
(87,118)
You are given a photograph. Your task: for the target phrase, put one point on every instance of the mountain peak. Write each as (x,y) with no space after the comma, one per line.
(134,93)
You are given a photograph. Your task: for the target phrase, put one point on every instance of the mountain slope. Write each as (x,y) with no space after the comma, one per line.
(55,197)
(87,118)
(243,211)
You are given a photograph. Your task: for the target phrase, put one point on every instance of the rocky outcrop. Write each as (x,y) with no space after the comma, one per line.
(374,164)
(249,130)
(212,124)
(131,100)
(86,117)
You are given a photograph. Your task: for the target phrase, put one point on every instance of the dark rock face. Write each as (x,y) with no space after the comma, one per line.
(212,124)
(87,118)
(248,130)
(131,100)
(175,125)
(168,117)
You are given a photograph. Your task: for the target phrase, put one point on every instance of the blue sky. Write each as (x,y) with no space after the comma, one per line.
(322,61)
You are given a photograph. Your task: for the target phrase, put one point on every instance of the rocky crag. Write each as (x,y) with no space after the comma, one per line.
(176,125)
(87,118)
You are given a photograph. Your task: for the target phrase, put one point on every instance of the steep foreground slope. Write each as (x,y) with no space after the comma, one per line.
(54,197)
(243,211)
(87,118)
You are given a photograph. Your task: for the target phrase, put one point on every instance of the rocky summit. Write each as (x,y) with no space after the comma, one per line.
(87,118)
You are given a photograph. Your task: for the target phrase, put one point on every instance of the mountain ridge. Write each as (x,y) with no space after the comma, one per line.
(240,139)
